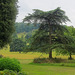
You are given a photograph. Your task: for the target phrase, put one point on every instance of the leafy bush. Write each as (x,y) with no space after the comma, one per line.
(11,64)
(10,72)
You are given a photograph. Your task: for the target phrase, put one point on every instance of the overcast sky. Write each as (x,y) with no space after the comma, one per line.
(26,7)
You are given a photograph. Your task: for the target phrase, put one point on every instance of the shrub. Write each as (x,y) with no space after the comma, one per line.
(10,72)
(11,64)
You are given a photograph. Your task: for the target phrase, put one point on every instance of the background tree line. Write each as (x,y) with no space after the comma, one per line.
(23,27)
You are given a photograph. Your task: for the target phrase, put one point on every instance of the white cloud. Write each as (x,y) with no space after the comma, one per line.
(26,6)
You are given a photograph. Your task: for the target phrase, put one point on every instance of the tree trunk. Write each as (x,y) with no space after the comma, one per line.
(50,53)
(70,56)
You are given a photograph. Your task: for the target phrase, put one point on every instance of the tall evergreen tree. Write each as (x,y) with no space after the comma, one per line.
(8,12)
(50,22)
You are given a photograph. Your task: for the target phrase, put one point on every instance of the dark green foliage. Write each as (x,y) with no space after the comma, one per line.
(17,45)
(68,42)
(67,47)
(11,64)
(8,11)
(50,27)
(40,41)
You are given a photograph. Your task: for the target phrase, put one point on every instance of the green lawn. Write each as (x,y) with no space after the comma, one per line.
(40,69)
(31,69)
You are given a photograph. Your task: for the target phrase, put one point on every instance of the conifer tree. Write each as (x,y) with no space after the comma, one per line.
(50,23)
(8,12)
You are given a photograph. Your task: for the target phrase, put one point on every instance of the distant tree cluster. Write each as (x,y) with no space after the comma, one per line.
(17,45)
(23,27)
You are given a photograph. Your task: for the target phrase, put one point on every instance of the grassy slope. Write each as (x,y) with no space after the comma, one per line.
(39,69)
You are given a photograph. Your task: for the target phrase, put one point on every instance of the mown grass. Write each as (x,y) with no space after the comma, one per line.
(41,69)
(46,69)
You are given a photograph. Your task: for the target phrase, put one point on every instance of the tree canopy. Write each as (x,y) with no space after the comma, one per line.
(8,12)
(51,25)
